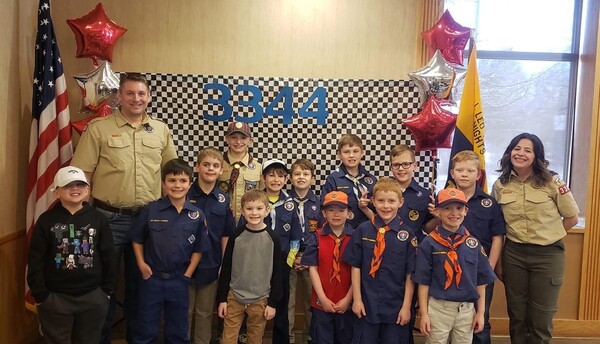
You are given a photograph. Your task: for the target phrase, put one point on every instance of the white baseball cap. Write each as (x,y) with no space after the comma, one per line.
(68,174)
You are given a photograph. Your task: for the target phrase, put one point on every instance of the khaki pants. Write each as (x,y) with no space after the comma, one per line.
(452,320)
(202,303)
(255,324)
(297,278)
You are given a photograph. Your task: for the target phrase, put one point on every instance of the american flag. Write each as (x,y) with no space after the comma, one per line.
(50,145)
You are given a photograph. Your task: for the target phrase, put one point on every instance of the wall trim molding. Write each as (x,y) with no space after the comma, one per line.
(11,236)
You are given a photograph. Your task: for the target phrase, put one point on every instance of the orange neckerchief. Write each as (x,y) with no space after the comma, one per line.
(336,256)
(378,249)
(451,264)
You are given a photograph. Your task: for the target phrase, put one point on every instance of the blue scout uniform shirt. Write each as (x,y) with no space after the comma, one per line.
(283,219)
(170,238)
(429,269)
(340,180)
(414,211)
(484,218)
(220,222)
(383,295)
(309,215)
(311,254)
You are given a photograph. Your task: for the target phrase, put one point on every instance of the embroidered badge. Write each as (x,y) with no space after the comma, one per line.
(506,192)
(251,166)
(224,186)
(486,202)
(221,198)
(287,227)
(350,215)
(193,214)
(369,180)
(402,235)
(148,128)
(562,186)
(289,206)
(471,242)
(312,225)
(249,185)
(420,193)
(413,215)
(191,239)
(313,207)
(239,125)
(414,242)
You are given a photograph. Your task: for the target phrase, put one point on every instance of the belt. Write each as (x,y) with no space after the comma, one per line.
(166,276)
(132,211)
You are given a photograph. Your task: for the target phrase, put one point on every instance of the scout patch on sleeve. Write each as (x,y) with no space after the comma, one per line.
(471,242)
(414,242)
(402,235)
(561,185)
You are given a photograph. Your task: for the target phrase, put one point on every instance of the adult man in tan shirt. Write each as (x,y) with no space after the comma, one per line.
(122,155)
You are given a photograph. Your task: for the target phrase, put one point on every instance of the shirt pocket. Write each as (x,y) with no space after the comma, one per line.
(118,152)
(539,203)
(510,208)
(152,153)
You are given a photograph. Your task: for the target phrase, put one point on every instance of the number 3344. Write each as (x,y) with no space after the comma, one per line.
(281,105)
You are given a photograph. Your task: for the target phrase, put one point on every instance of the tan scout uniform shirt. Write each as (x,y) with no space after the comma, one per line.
(249,178)
(533,215)
(125,161)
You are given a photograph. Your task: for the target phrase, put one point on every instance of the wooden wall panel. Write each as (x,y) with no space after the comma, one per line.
(17,325)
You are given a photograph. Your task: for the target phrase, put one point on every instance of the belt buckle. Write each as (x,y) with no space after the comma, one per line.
(165,275)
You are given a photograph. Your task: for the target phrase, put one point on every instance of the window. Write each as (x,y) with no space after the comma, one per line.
(528,52)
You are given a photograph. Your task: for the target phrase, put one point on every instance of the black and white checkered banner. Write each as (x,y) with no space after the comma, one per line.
(295,118)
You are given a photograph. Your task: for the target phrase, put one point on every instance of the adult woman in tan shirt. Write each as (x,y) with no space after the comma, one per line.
(539,209)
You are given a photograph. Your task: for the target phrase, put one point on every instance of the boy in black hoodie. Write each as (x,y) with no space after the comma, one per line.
(71,270)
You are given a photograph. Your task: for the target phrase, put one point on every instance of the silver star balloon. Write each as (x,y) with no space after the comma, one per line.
(99,85)
(435,78)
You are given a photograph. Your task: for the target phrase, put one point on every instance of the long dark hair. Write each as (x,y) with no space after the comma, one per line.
(540,175)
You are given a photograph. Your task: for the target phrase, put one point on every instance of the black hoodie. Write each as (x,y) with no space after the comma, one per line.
(70,254)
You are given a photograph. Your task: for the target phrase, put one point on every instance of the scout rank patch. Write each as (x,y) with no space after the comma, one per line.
(224,186)
(312,225)
(413,215)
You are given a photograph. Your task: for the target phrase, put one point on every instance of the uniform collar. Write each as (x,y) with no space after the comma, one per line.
(446,233)
(414,185)
(361,170)
(196,191)
(479,193)
(245,160)
(394,224)
(121,121)
(310,196)
(165,203)
(327,230)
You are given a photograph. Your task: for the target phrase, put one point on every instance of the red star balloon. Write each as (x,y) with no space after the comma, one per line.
(96,34)
(92,112)
(449,37)
(432,126)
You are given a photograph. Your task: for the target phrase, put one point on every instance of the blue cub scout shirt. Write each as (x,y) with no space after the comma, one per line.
(170,238)
(484,219)
(414,211)
(312,215)
(476,268)
(338,181)
(220,223)
(383,295)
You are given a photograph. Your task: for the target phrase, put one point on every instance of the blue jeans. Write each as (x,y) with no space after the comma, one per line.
(120,226)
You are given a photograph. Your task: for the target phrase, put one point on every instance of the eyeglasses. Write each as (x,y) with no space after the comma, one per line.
(405,165)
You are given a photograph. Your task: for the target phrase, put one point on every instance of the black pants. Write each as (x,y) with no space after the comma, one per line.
(73,319)
(281,322)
